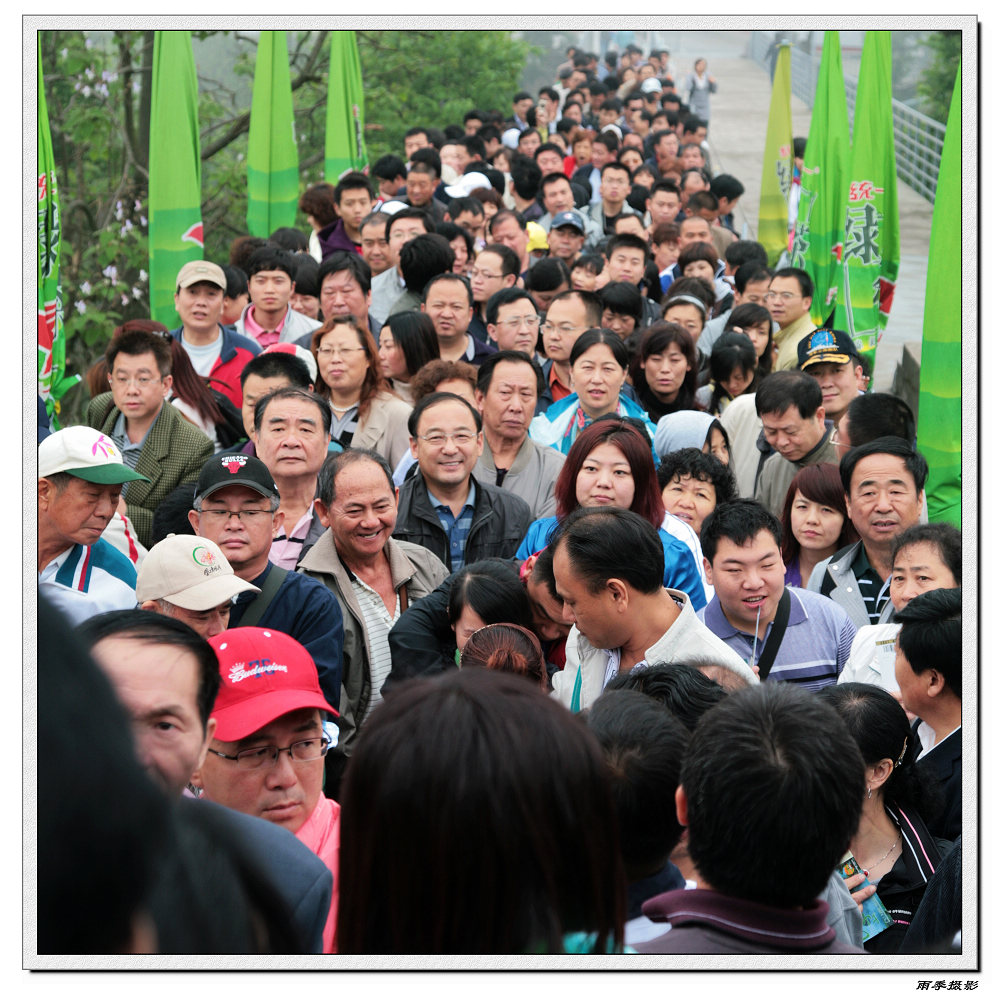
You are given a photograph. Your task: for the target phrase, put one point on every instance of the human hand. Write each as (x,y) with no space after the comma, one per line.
(859,893)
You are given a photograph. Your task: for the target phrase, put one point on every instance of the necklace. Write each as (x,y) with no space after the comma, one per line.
(892,847)
(343,409)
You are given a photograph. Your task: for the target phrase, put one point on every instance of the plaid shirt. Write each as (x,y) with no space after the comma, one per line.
(456,528)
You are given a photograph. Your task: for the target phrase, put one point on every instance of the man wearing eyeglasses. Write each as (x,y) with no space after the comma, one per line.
(496,267)
(155,439)
(569,314)
(236,506)
(512,322)
(443,506)
(166,676)
(266,755)
(788,299)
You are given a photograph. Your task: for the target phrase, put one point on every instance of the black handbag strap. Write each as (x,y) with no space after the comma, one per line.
(770,650)
(256,608)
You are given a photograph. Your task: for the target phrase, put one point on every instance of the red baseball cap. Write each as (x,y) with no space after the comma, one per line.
(265,674)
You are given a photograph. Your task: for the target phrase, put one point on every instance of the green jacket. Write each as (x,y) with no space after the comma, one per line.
(174,453)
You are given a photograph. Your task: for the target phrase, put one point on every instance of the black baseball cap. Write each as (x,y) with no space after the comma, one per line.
(832,346)
(234,470)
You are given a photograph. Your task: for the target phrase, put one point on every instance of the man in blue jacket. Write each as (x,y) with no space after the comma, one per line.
(236,506)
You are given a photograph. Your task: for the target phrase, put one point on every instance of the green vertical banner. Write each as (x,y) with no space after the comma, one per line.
(345,109)
(175,229)
(870,252)
(939,421)
(819,228)
(272,157)
(52,378)
(776,177)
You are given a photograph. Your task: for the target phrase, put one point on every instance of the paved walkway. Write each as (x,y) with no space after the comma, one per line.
(736,139)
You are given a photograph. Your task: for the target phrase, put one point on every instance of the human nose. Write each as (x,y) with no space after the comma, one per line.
(282,774)
(908,591)
(217,623)
(105,508)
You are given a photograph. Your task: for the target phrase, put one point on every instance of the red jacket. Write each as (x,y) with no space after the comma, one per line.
(236,351)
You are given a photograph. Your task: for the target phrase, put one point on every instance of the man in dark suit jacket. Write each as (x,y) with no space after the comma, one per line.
(929,675)
(155,439)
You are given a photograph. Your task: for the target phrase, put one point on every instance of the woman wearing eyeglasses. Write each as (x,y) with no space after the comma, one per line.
(366,414)
(598,366)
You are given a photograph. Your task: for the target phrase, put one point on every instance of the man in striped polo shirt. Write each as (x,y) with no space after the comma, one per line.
(785,633)
(80,476)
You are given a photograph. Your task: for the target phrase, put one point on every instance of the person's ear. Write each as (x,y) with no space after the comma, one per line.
(681,804)
(194,519)
(619,592)
(322,512)
(708,572)
(209,733)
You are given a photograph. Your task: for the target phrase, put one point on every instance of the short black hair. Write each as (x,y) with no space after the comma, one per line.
(423,257)
(697,464)
(465,204)
(644,746)
(879,414)
(273,364)
(510,263)
(802,277)
(780,390)
(426,156)
(741,252)
(432,399)
(739,521)
(288,238)
(946,538)
(771,771)
(236,281)
(410,212)
(726,186)
(622,297)
(347,260)
(526,175)
(153,629)
(547,275)
(629,240)
(271,258)
(606,543)
(352,181)
(680,687)
(484,375)
(474,145)
(505,297)
(445,275)
(389,167)
(750,273)
(915,463)
(931,634)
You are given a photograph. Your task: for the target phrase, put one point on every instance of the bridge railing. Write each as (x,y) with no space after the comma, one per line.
(918,138)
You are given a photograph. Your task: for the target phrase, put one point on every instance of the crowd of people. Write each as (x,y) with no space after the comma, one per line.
(506,565)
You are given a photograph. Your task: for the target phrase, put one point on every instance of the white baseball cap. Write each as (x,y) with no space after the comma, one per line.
(188,571)
(85,453)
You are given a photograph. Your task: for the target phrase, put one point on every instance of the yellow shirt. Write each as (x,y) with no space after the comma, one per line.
(787,341)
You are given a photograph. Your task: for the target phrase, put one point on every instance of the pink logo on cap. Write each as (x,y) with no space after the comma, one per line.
(233,463)
(106,447)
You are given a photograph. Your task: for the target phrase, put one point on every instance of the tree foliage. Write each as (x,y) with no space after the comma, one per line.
(938,80)
(97,85)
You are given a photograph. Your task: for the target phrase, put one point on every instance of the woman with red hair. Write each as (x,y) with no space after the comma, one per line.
(610,464)
(814,521)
